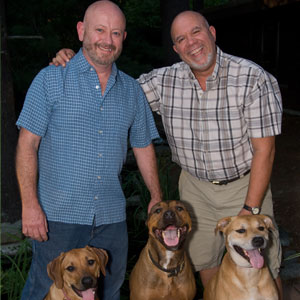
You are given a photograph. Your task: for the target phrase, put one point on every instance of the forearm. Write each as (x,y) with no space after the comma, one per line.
(26,169)
(261,170)
(34,223)
(147,163)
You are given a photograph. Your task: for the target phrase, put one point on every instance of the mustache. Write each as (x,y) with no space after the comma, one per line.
(106,46)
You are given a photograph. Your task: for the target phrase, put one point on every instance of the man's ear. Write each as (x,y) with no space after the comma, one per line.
(175,49)
(213,32)
(80,30)
(124,35)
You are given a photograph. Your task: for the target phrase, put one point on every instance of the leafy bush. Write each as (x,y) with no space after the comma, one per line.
(14,271)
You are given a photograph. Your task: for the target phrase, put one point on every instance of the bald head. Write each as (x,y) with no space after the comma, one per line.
(104,6)
(187,16)
(194,41)
(102,33)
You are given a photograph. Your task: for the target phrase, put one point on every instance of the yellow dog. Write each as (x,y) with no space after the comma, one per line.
(75,274)
(243,274)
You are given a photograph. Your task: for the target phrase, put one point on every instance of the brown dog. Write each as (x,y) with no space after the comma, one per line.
(163,270)
(75,274)
(243,274)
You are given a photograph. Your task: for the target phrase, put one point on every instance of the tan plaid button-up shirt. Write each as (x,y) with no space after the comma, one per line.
(209,131)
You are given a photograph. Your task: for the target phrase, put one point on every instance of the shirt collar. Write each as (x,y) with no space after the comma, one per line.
(218,65)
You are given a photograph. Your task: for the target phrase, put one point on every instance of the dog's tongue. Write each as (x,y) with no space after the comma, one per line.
(88,294)
(170,236)
(256,259)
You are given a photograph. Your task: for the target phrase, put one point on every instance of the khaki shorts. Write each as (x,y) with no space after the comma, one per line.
(208,203)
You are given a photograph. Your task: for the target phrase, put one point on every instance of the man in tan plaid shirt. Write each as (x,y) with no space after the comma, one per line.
(220,114)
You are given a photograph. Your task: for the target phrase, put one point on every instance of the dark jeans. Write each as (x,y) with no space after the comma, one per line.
(64,237)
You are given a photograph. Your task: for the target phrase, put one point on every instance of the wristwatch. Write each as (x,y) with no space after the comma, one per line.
(254,210)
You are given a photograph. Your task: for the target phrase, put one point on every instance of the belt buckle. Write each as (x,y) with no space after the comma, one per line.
(215,182)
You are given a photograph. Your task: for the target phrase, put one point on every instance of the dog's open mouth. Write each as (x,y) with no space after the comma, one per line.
(88,294)
(254,257)
(171,236)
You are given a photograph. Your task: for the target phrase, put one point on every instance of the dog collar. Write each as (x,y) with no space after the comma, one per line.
(172,272)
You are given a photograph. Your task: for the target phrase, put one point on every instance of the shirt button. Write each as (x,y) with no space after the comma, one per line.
(101,108)
(97,87)
(91,69)
(99,177)
(99,154)
(100,131)
(96,198)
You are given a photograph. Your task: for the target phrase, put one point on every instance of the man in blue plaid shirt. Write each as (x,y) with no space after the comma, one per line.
(74,128)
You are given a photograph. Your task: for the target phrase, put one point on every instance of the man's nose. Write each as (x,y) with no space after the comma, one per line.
(107,38)
(190,40)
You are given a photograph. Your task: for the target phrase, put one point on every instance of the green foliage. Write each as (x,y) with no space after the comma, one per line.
(213,3)
(14,271)
(293,256)
(133,185)
(142,13)
(142,47)
(27,21)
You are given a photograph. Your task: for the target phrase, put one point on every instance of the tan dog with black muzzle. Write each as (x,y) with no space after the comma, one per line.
(75,274)
(163,270)
(243,274)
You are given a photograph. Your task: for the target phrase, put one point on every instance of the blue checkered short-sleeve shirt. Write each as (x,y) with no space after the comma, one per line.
(84,139)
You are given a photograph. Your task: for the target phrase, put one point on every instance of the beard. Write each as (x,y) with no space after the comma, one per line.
(103,58)
(204,66)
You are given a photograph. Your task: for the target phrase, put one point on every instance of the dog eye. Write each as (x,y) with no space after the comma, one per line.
(70,268)
(179,208)
(158,210)
(261,228)
(241,230)
(91,262)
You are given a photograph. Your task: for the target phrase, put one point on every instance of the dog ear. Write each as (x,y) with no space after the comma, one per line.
(268,221)
(54,271)
(102,256)
(222,224)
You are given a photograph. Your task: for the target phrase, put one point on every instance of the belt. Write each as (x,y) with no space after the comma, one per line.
(224,182)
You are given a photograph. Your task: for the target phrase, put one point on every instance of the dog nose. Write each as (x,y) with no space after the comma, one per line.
(169,215)
(87,282)
(258,241)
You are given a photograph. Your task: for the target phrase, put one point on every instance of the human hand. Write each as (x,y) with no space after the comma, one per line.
(244,212)
(152,203)
(62,57)
(34,223)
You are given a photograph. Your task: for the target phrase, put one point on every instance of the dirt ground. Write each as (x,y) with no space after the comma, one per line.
(285,179)
(286,193)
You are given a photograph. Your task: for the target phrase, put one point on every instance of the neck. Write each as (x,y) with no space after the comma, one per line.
(65,295)
(202,76)
(103,72)
(174,271)
(166,258)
